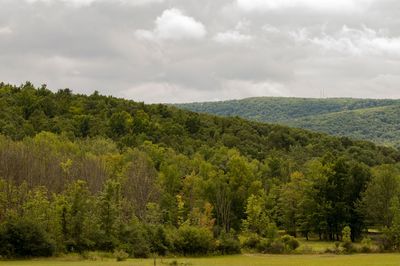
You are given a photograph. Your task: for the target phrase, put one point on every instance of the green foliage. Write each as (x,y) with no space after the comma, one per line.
(75,217)
(290,243)
(366,245)
(384,186)
(228,244)
(134,239)
(109,206)
(367,119)
(346,238)
(346,234)
(121,255)
(24,239)
(257,220)
(100,173)
(191,240)
(392,234)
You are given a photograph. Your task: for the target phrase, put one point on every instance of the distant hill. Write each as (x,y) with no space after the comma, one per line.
(367,119)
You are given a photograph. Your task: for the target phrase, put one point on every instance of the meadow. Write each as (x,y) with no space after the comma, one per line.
(237,260)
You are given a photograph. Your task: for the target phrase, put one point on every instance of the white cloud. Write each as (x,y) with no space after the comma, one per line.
(80,3)
(245,88)
(76,3)
(232,37)
(161,92)
(5,30)
(173,24)
(335,5)
(144,2)
(358,42)
(270,29)
(235,36)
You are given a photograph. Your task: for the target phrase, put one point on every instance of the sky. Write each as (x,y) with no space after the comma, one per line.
(175,51)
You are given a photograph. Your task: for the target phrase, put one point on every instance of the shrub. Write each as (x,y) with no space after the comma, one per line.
(336,250)
(264,246)
(290,243)
(121,255)
(251,241)
(293,244)
(346,237)
(228,244)
(277,247)
(21,239)
(158,240)
(174,263)
(190,240)
(346,234)
(135,239)
(348,247)
(366,244)
(269,246)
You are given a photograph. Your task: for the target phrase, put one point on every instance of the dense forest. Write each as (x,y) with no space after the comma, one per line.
(81,173)
(367,119)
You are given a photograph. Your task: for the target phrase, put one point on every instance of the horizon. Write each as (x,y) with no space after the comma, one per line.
(88,93)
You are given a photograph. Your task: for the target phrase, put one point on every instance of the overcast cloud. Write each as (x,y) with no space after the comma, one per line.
(192,50)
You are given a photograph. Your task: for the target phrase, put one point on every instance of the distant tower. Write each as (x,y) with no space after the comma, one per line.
(322,93)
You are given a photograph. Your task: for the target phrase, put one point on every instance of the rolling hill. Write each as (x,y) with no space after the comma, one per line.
(367,119)
(92,172)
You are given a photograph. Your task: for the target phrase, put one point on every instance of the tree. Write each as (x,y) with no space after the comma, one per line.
(257,220)
(292,201)
(140,186)
(393,232)
(75,215)
(24,239)
(109,206)
(121,123)
(384,186)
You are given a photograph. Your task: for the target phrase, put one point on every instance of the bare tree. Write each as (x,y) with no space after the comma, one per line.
(140,184)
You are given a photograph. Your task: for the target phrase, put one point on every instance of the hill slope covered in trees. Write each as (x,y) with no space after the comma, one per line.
(368,119)
(81,173)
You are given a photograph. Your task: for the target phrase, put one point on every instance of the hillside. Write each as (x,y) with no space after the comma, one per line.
(368,119)
(81,173)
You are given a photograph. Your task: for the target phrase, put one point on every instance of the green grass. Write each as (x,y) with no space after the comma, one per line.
(239,260)
(315,246)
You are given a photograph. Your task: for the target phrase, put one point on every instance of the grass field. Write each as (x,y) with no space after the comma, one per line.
(239,260)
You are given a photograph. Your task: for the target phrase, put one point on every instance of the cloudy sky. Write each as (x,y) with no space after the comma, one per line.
(204,50)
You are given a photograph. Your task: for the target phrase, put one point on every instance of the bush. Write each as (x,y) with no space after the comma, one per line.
(290,243)
(348,247)
(190,240)
(277,247)
(228,244)
(121,255)
(366,244)
(135,239)
(268,246)
(346,237)
(264,246)
(158,240)
(251,241)
(22,239)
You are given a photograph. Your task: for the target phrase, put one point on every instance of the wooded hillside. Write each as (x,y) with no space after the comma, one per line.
(368,119)
(82,173)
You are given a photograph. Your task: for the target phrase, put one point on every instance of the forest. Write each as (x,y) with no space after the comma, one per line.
(374,120)
(81,173)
